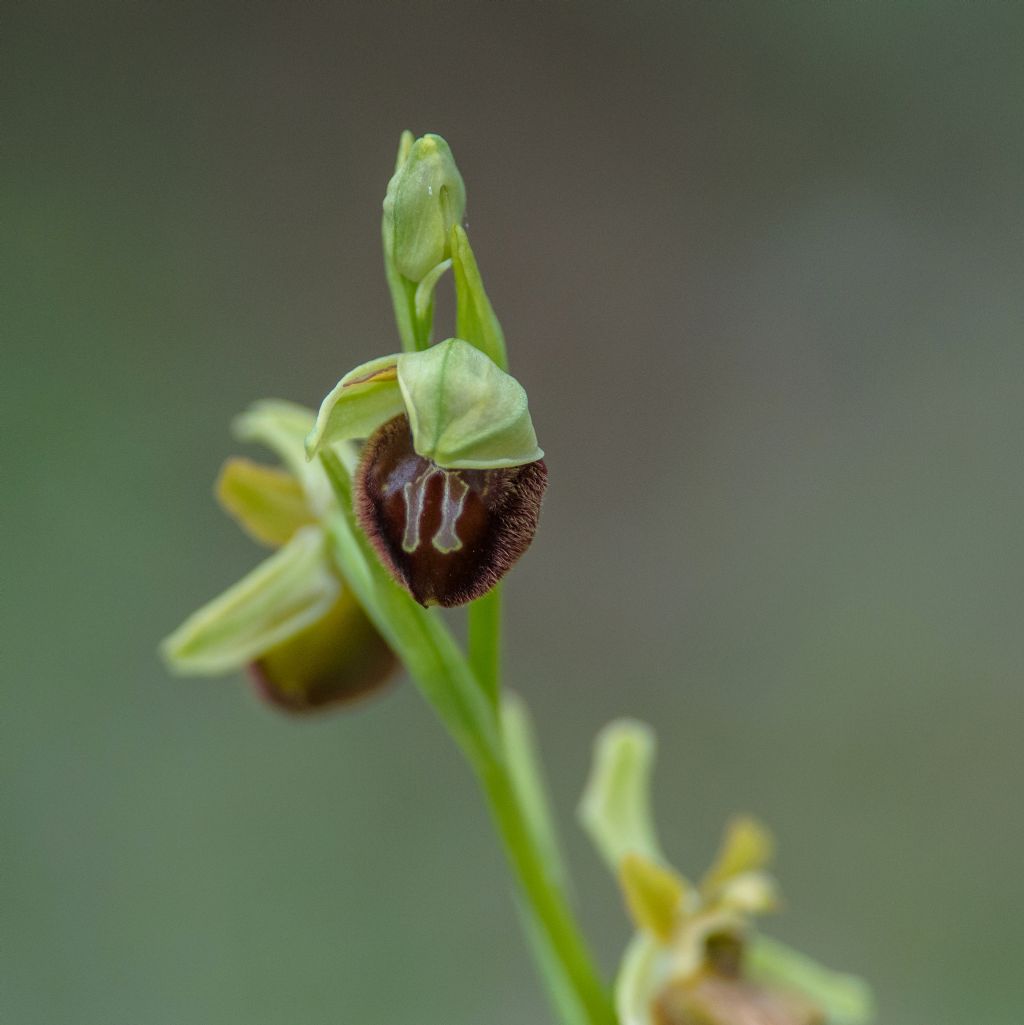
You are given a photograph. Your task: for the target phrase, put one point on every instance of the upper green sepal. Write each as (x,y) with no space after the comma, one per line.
(425,198)
(464,412)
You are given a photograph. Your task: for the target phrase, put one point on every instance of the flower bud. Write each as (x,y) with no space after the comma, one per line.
(447,535)
(425,198)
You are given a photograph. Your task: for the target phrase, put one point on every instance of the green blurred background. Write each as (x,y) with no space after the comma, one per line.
(760,267)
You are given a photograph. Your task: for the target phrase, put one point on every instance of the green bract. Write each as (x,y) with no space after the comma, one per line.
(425,198)
(464,412)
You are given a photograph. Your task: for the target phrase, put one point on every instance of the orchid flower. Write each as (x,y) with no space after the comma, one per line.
(696,958)
(292,621)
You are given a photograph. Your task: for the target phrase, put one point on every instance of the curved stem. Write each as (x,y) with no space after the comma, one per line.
(445,678)
(547,903)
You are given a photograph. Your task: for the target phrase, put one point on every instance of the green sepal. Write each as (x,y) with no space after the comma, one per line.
(425,197)
(474,318)
(282,426)
(283,595)
(844,999)
(267,502)
(464,411)
(358,404)
(615,809)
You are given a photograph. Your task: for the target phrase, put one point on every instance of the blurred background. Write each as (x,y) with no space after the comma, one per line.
(760,268)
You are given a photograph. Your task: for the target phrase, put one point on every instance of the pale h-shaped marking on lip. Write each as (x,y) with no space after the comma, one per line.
(453,499)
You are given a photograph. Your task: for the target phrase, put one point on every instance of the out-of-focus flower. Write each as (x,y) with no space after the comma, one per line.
(292,621)
(450,482)
(696,958)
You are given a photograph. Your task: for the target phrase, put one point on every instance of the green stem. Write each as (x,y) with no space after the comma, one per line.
(445,678)
(485,641)
(546,901)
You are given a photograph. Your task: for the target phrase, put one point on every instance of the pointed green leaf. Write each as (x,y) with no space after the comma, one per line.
(284,594)
(525,766)
(616,806)
(361,401)
(474,319)
(268,503)
(845,999)
(464,411)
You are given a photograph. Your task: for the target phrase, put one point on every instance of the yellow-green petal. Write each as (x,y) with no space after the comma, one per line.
(616,806)
(267,502)
(284,594)
(465,412)
(358,404)
(747,846)
(654,894)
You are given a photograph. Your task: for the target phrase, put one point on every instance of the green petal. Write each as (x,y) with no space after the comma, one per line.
(284,594)
(475,319)
(845,999)
(360,402)
(464,411)
(616,808)
(267,502)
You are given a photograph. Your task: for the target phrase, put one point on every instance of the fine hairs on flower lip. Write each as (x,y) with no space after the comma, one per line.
(447,535)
